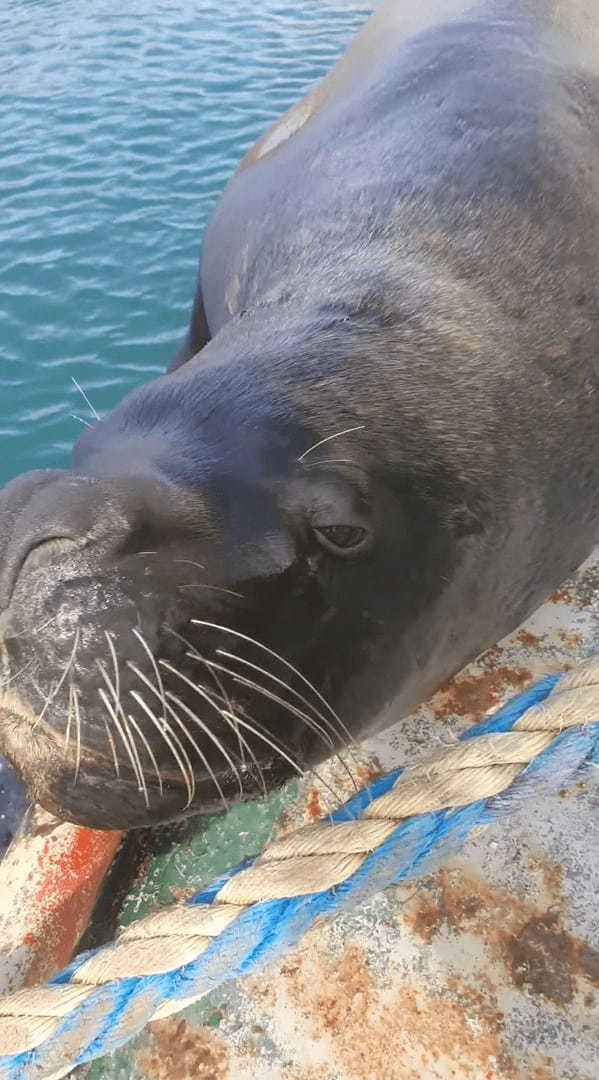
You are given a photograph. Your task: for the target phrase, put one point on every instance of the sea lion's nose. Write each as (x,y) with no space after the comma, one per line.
(107,518)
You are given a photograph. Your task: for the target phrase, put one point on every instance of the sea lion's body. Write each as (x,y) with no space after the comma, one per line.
(387,450)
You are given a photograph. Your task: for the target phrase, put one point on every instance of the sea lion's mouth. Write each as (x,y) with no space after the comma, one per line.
(78,783)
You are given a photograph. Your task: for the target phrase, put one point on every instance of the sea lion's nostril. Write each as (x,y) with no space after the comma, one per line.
(47,551)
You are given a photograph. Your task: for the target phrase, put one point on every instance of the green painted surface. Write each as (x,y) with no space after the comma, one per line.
(220,842)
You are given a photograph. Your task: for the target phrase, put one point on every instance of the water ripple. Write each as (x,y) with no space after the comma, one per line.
(118,130)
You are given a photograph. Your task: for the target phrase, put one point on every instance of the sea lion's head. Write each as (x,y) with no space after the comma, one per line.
(230,583)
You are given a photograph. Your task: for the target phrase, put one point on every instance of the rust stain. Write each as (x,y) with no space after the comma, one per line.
(313,811)
(181,893)
(177,1051)
(561,596)
(542,959)
(588,962)
(405,1033)
(528,640)
(365,774)
(527,938)
(473,695)
(571,641)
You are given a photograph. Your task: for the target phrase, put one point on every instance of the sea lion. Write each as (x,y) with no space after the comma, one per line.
(376,453)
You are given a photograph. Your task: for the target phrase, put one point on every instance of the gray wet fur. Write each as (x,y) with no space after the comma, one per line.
(410,256)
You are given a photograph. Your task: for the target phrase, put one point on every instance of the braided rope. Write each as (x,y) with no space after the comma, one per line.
(394,830)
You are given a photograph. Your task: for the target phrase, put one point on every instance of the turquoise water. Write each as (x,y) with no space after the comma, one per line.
(119,125)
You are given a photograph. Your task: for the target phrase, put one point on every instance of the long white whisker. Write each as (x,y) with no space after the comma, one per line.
(337,799)
(205,727)
(215,588)
(55,691)
(281,682)
(316,727)
(117,723)
(155,668)
(11,678)
(244,680)
(214,675)
(144,786)
(227,717)
(196,720)
(262,690)
(114,709)
(164,727)
(329,461)
(86,399)
(117,768)
(215,678)
(329,438)
(270,742)
(282,660)
(78,736)
(171,739)
(67,734)
(150,752)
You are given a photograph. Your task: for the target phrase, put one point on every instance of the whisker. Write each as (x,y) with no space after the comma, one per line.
(190,562)
(136,753)
(150,752)
(204,759)
(155,668)
(11,678)
(252,641)
(53,693)
(173,741)
(67,734)
(30,633)
(262,690)
(114,708)
(243,680)
(270,742)
(290,689)
(337,797)
(80,419)
(330,461)
(329,438)
(164,727)
(308,720)
(205,727)
(219,684)
(117,769)
(117,723)
(304,700)
(216,588)
(85,398)
(116,690)
(230,720)
(78,736)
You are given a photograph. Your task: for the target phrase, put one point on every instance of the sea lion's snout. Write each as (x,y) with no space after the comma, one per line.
(100,576)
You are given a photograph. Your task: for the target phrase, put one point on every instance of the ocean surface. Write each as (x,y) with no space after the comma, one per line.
(120,124)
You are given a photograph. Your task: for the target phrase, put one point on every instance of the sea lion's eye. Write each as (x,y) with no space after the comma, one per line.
(341,538)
